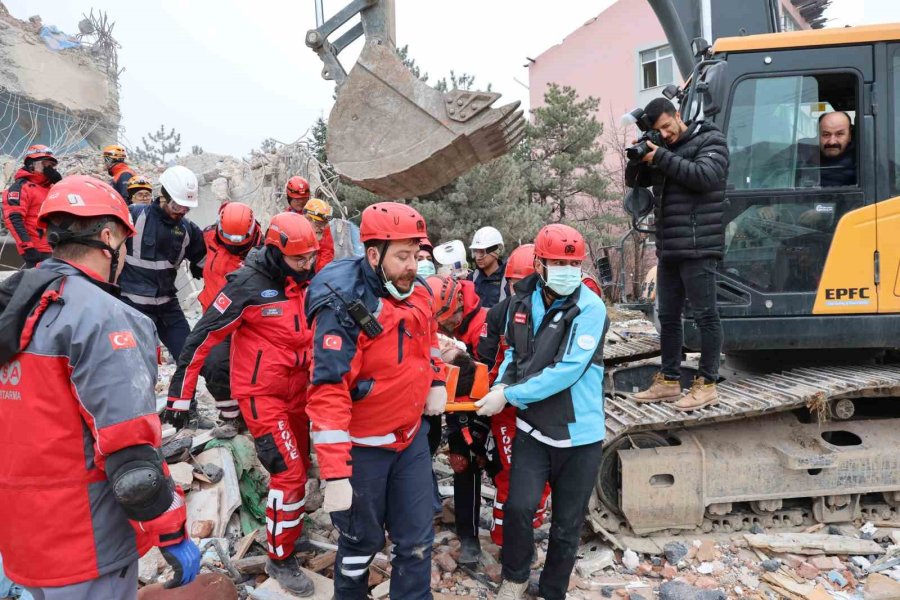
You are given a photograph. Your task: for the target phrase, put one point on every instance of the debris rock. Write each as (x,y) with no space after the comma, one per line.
(207,586)
(494,572)
(813,543)
(675,552)
(382,590)
(836,578)
(707,551)
(757,528)
(678,590)
(445,562)
(183,474)
(705,568)
(630,560)
(202,529)
(707,583)
(771,565)
(747,579)
(669,572)
(826,563)
(594,557)
(881,587)
(150,565)
(807,571)
(861,561)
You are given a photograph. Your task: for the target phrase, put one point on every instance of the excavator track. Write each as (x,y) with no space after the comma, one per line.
(756,395)
(619,348)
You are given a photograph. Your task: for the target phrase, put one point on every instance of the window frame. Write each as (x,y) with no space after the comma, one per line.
(893,149)
(656,58)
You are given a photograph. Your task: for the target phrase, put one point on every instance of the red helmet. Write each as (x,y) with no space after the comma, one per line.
(292,234)
(559,242)
(520,263)
(447,293)
(425,244)
(297,188)
(84,196)
(37,152)
(236,225)
(391,221)
(592,284)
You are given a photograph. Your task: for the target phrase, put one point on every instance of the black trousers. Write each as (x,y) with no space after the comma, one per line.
(694,279)
(572,473)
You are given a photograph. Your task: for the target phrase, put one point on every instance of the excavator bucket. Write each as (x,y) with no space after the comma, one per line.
(393,134)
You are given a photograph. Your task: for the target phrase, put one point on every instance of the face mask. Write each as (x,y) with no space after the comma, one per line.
(425,268)
(397,294)
(563,280)
(52,175)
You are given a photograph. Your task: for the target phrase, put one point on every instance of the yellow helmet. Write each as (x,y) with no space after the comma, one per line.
(139,182)
(318,210)
(115,152)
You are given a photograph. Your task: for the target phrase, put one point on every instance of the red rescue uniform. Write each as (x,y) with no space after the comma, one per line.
(21,205)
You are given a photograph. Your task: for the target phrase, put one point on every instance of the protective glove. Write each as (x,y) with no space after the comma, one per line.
(436,401)
(492,403)
(184,557)
(175,418)
(338,495)
(34,256)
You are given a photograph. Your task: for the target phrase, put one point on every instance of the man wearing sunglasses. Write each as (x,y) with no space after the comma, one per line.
(164,239)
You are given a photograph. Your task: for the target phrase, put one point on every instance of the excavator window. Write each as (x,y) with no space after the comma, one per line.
(895,134)
(789,186)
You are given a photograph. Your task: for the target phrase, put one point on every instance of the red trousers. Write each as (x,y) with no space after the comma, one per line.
(280,429)
(503,426)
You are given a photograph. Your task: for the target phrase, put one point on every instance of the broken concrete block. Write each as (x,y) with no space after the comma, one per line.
(675,552)
(678,590)
(381,590)
(707,551)
(183,474)
(826,563)
(207,586)
(813,543)
(881,587)
(445,562)
(215,502)
(202,529)
(593,558)
(271,590)
(150,565)
(630,560)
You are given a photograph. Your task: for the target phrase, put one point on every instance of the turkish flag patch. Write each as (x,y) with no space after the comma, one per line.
(13,195)
(122,340)
(332,342)
(520,318)
(222,302)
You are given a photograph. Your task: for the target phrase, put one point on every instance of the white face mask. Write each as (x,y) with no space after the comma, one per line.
(563,280)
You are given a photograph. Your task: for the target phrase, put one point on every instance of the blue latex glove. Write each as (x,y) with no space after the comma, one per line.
(184,557)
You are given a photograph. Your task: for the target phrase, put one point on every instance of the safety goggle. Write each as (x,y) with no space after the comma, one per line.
(318,216)
(237,238)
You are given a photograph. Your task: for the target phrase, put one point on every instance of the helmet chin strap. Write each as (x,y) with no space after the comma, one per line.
(62,235)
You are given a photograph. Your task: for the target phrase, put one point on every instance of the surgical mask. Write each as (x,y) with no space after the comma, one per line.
(425,268)
(397,294)
(563,279)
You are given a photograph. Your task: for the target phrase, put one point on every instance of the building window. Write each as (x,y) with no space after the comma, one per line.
(789,23)
(657,67)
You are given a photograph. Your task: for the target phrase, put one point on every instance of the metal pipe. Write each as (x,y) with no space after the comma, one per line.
(674,30)
(320,13)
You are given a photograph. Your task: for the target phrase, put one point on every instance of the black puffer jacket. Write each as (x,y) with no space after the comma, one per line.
(689,184)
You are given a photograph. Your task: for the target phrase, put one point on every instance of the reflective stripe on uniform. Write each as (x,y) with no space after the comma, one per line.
(528,429)
(180,404)
(277,529)
(383,440)
(153,265)
(330,436)
(355,560)
(147,300)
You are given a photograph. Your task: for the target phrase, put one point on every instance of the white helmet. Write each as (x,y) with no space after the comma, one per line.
(450,253)
(181,185)
(486,237)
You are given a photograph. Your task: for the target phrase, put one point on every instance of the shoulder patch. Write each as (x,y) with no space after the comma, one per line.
(268,293)
(222,302)
(13,195)
(586,342)
(520,318)
(122,340)
(332,342)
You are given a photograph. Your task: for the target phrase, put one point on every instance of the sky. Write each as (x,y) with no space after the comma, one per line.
(229,74)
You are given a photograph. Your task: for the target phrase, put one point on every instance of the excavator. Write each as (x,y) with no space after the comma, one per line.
(808,289)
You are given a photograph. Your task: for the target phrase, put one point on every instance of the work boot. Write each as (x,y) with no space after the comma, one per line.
(290,576)
(661,390)
(700,395)
(470,552)
(510,590)
(229,428)
(197,421)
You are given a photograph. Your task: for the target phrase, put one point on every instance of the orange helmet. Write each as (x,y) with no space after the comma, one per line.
(318,210)
(236,225)
(447,293)
(84,196)
(297,188)
(37,152)
(559,242)
(520,263)
(391,221)
(115,152)
(292,234)
(139,182)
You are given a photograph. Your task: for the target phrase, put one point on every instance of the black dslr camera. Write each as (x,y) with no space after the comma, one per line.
(640,149)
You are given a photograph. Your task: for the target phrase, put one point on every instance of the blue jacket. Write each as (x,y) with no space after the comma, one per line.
(554,364)
(155,253)
(489,288)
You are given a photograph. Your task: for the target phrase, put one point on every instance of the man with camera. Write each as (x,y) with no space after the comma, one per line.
(687,165)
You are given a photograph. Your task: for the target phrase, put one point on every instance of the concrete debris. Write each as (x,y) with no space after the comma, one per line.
(593,558)
(675,552)
(183,474)
(813,543)
(881,587)
(207,586)
(771,565)
(270,590)
(150,565)
(630,560)
(679,590)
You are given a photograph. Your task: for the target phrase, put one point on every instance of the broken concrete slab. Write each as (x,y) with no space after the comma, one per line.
(215,502)
(679,590)
(881,587)
(271,590)
(183,474)
(592,558)
(813,543)
(207,586)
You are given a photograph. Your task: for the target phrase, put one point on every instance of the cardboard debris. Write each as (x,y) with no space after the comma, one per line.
(813,543)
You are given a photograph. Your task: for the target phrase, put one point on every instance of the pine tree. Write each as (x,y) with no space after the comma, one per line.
(161,144)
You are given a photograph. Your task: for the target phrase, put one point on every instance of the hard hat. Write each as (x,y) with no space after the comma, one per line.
(318,210)
(115,152)
(292,234)
(84,196)
(391,221)
(560,242)
(139,182)
(450,253)
(181,185)
(486,237)
(447,296)
(236,225)
(520,263)
(297,188)
(37,152)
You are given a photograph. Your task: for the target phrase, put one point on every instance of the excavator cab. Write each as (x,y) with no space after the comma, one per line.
(390,132)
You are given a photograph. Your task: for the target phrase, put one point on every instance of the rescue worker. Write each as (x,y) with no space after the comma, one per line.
(228,241)
(459,315)
(297,192)
(487,249)
(164,239)
(376,367)
(552,372)
(22,203)
(83,485)
(261,307)
(318,213)
(114,157)
(140,190)
(491,349)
